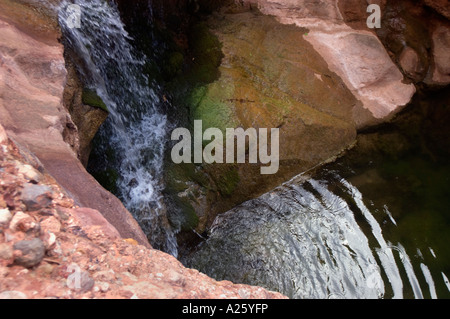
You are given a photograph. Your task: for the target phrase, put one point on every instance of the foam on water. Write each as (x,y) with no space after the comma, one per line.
(135,129)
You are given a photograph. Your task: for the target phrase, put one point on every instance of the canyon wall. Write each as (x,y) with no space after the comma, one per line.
(33,79)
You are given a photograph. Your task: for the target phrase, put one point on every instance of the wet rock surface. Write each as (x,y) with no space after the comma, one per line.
(59,250)
(32,85)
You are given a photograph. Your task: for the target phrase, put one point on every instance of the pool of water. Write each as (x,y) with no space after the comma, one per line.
(374,229)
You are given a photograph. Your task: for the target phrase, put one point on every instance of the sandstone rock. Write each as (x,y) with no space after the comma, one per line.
(30,173)
(441,42)
(32,252)
(410,63)
(3,136)
(32,82)
(36,197)
(5,216)
(6,252)
(269,77)
(361,61)
(357,56)
(92,220)
(23,222)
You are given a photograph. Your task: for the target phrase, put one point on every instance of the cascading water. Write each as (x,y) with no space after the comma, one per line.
(135,129)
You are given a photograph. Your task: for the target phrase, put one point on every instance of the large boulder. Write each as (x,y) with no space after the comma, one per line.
(294,65)
(355,55)
(269,77)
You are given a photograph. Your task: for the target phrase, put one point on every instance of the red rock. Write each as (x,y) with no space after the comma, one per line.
(32,80)
(51,224)
(3,136)
(356,56)
(23,222)
(441,42)
(92,219)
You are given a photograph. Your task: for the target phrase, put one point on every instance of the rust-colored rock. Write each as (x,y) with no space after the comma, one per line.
(32,82)
(78,254)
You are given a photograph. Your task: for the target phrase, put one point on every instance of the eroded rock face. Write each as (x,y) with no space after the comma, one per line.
(270,77)
(62,251)
(32,82)
(297,66)
(356,56)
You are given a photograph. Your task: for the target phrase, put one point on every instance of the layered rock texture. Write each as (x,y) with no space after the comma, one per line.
(61,234)
(32,83)
(310,68)
(51,248)
(357,56)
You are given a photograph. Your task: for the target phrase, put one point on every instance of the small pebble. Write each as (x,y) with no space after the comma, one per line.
(5,216)
(32,252)
(36,197)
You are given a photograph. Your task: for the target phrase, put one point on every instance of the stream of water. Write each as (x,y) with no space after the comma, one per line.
(136,129)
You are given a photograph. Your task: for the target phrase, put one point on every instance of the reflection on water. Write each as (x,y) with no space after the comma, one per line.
(380,232)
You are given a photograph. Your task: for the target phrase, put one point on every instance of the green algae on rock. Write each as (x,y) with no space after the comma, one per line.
(250,71)
(90,97)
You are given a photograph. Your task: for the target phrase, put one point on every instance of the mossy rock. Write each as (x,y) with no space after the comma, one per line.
(249,71)
(226,179)
(91,98)
(183,216)
(206,51)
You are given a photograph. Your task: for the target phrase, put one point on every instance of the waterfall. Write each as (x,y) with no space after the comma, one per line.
(135,129)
